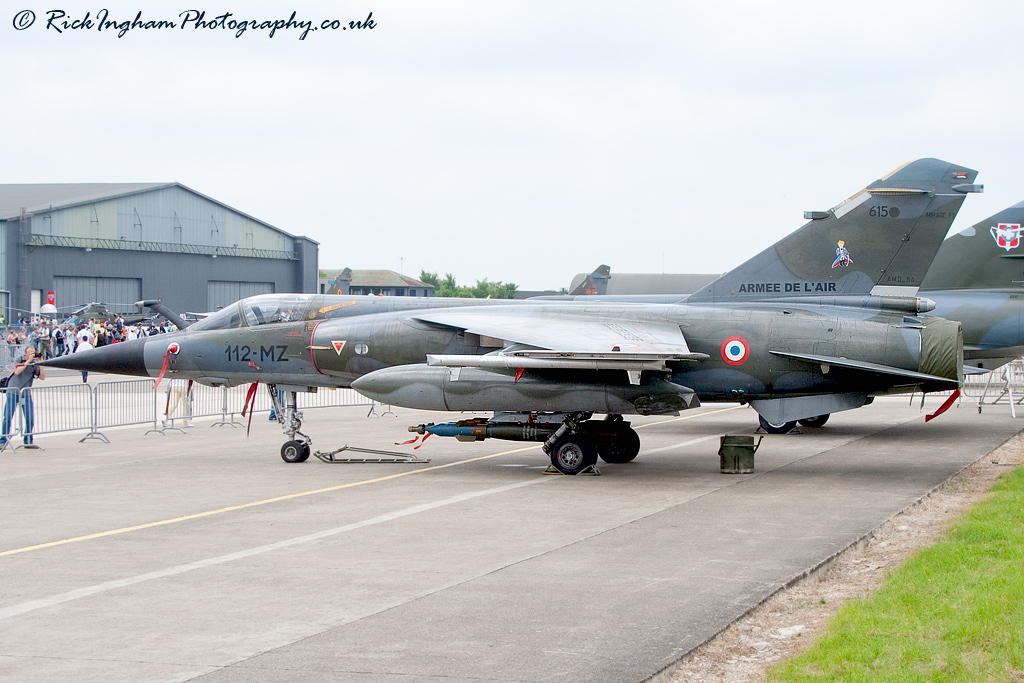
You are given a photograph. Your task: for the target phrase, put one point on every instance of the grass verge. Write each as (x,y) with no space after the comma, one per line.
(953,612)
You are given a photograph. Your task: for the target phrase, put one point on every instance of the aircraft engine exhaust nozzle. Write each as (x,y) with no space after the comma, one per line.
(125,358)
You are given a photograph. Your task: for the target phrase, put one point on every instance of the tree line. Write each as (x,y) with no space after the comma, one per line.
(483,289)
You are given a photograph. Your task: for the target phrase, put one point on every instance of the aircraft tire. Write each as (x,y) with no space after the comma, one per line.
(623,448)
(295,451)
(814,422)
(784,428)
(573,454)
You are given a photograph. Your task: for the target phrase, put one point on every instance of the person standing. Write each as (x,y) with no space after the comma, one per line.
(24,373)
(83,345)
(177,393)
(58,340)
(84,335)
(43,342)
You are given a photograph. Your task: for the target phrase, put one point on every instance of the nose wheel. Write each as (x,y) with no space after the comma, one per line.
(295,451)
(286,409)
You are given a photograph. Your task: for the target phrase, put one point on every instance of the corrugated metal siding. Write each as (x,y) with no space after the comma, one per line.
(220,293)
(170,215)
(118,293)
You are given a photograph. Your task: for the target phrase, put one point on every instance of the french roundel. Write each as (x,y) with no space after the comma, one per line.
(735,350)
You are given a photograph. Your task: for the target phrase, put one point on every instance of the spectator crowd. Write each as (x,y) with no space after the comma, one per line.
(50,339)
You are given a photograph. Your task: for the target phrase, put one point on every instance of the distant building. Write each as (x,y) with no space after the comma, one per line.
(118,243)
(619,284)
(382,282)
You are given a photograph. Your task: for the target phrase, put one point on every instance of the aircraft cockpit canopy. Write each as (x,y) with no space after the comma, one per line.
(264,309)
(274,308)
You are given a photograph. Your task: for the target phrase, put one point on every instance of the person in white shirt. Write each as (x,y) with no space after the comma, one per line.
(84,334)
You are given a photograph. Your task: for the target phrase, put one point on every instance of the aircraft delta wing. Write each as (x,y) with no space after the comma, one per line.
(978,279)
(545,368)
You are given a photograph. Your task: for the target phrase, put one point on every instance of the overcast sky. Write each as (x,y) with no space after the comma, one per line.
(522,141)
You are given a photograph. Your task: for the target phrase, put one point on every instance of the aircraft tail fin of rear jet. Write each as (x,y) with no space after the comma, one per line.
(879,241)
(987,255)
(595,283)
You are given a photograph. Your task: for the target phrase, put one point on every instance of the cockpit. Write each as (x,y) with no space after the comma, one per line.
(265,309)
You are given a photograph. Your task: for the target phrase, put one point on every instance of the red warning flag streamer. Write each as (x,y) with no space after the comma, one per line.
(171,348)
(944,407)
(250,404)
(414,440)
(167,358)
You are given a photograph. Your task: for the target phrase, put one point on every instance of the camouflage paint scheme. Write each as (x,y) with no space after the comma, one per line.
(794,331)
(978,279)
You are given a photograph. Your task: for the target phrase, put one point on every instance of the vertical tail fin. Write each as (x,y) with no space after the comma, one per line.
(987,255)
(596,283)
(881,240)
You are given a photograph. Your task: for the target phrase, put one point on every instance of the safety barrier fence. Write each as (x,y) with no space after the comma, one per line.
(10,353)
(83,407)
(1003,385)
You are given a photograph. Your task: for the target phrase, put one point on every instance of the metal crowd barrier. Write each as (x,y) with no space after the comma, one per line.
(9,353)
(1008,381)
(13,421)
(85,407)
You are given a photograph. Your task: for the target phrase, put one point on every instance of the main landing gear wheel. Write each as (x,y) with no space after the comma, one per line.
(573,454)
(782,428)
(815,422)
(622,448)
(295,451)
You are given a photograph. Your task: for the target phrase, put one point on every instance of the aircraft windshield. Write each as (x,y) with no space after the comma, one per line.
(274,308)
(224,319)
(258,310)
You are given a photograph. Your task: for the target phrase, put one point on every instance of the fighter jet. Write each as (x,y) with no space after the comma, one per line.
(978,279)
(795,332)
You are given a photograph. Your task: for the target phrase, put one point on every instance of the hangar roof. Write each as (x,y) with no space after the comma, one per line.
(372,278)
(42,196)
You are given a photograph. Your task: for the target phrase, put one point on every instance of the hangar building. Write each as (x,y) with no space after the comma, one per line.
(118,243)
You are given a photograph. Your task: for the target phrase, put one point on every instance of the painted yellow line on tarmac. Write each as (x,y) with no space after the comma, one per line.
(267,501)
(291,496)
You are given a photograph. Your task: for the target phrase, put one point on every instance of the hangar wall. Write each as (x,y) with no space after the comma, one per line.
(185,281)
(118,243)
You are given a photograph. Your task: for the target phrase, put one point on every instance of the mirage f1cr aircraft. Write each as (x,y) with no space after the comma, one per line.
(977,279)
(795,332)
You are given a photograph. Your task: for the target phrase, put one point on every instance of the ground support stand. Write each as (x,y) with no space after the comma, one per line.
(392,456)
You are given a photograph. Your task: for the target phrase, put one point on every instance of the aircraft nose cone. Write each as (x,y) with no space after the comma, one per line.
(126,358)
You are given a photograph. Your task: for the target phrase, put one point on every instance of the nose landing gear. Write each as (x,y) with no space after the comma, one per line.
(286,409)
